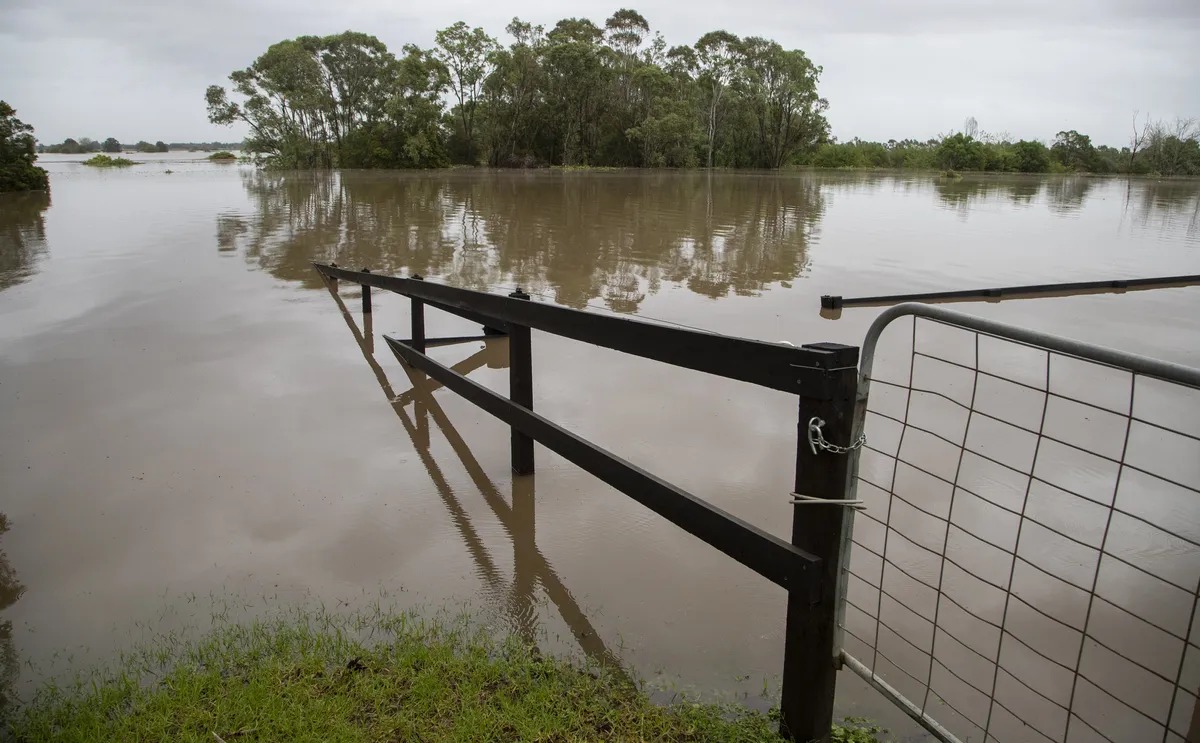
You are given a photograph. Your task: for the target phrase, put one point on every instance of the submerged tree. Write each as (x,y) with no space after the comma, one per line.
(780,88)
(717,55)
(1173,148)
(468,56)
(513,96)
(578,94)
(18,153)
(1073,150)
(335,101)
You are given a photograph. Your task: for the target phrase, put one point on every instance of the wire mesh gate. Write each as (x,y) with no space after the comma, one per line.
(1027,565)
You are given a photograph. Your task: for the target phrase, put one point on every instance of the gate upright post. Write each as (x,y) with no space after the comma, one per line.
(520,390)
(809,657)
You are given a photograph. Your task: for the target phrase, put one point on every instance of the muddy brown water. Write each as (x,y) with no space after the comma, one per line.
(186,410)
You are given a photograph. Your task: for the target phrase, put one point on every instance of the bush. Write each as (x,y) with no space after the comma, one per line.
(835,156)
(1074,151)
(1031,157)
(389,146)
(104,161)
(961,152)
(223,155)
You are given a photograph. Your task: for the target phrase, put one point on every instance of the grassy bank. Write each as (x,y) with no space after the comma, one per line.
(320,677)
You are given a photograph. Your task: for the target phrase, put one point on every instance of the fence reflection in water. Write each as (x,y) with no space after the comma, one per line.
(1028,562)
(514,599)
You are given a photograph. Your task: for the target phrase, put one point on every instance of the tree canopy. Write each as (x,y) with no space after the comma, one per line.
(71,146)
(576,94)
(18,155)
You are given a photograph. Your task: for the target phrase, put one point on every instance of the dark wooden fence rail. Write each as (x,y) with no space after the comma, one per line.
(822,375)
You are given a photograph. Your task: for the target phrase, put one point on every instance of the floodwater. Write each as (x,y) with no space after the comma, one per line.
(185,409)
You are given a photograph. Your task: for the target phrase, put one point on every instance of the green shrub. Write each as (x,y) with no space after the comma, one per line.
(1031,157)
(223,155)
(961,152)
(856,730)
(104,161)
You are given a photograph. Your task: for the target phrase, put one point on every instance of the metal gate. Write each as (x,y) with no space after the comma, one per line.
(1027,565)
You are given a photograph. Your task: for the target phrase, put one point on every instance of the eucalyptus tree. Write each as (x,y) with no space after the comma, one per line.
(780,87)
(468,54)
(717,54)
(514,95)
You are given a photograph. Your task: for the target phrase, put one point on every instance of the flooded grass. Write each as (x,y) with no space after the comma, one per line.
(305,675)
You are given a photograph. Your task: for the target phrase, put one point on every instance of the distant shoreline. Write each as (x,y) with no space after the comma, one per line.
(596,169)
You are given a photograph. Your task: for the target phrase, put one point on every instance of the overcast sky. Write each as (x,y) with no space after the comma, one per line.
(137,69)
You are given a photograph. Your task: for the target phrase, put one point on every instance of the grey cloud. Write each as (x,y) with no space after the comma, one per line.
(138,68)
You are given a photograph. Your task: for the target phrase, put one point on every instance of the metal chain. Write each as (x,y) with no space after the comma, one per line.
(816,439)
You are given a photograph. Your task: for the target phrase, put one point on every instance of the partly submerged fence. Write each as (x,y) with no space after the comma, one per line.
(823,376)
(1027,565)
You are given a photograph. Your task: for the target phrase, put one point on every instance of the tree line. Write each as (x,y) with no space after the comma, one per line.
(1156,147)
(576,94)
(611,95)
(85,145)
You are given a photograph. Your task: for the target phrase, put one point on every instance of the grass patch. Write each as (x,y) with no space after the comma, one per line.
(590,168)
(104,161)
(223,155)
(856,730)
(950,174)
(305,676)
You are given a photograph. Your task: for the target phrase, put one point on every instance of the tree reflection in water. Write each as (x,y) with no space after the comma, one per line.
(1165,206)
(22,235)
(612,238)
(514,599)
(10,591)
(577,237)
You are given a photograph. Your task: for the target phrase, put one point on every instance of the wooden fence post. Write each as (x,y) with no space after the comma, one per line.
(520,390)
(366,295)
(809,662)
(418,320)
